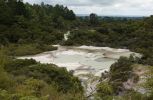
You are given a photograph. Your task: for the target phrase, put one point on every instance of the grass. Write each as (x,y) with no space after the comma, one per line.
(27,49)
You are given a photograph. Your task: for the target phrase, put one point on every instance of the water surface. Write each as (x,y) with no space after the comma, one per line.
(85,61)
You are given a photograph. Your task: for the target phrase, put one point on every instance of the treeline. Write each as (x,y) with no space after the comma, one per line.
(26,23)
(31,29)
(27,29)
(135,35)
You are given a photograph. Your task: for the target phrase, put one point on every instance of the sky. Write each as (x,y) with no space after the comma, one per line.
(105,7)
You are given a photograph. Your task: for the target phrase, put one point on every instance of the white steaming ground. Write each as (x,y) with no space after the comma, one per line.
(83,58)
(85,61)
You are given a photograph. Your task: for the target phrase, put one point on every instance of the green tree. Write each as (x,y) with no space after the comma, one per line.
(93,19)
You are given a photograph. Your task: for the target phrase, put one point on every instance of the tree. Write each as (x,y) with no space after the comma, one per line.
(5,13)
(21,9)
(93,19)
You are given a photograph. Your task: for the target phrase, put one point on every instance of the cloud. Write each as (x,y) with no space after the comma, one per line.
(77,2)
(105,7)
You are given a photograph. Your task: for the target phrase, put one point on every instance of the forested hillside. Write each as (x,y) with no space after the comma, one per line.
(41,25)
(30,29)
(135,35)
(27,29)
(33,23)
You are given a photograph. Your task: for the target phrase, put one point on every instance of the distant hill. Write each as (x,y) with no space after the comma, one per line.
(118,17)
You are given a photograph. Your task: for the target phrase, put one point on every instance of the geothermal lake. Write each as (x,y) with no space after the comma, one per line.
(85,61)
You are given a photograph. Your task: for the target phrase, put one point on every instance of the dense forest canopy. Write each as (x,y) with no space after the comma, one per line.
(27,29)
(35,22)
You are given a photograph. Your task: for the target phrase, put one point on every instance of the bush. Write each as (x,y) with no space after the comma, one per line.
(49,73)
(28,49)
(104,90)
(120,72)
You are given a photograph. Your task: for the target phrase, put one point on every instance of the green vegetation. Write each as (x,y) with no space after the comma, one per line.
(93,19)
(31,29)
(49,73)
(135,35)
(27,79)
(104,91)
(122,71)
(149,83)
(27,49)
(27,29)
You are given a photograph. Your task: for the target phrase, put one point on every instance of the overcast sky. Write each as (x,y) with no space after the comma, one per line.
(105,7)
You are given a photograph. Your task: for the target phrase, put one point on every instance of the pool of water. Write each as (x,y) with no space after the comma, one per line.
(83,60)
